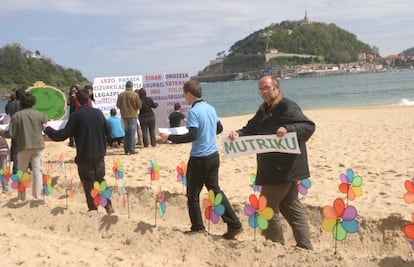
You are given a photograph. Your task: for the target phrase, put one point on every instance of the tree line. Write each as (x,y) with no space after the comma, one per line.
(20,67)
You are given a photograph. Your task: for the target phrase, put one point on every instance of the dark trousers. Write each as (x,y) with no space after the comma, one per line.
(204,171)
(283,198)
(13,155)
(71,141)
(148,130)
(119,140)
(89,172)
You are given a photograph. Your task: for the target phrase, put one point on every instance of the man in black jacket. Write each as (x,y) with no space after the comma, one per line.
(90,129)
(277,172)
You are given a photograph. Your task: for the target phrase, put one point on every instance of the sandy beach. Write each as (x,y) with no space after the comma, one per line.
(376,142)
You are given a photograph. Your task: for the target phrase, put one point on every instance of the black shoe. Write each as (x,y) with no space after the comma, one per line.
(196,231)
(232,232)
(109,209)
(93,209)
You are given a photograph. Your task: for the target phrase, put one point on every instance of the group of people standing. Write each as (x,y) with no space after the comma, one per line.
(135,105)
(277,173)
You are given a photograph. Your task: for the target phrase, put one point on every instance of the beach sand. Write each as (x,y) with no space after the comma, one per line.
(376,142)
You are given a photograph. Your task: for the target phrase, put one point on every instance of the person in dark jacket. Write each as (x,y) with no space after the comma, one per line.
(277,172)
(147,118)
(13,107)
(90,129)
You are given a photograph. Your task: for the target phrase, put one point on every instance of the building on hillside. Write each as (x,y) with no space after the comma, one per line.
(305,20)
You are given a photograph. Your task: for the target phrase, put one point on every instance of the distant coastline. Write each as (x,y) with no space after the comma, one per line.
(303,71)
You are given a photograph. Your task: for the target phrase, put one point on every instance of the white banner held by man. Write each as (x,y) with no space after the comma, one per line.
(256,144)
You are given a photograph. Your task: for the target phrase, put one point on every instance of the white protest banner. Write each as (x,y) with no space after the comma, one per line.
(107,89)
(58,124)
(256,144)
(166,89)
(175,130)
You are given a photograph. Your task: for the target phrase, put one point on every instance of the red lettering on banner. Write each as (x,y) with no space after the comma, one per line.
(108,80)
(153,77)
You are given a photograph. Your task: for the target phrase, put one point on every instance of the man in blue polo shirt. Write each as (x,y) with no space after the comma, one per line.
(202,168)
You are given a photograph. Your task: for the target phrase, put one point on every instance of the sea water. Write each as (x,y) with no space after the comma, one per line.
(242,97)
(385,88)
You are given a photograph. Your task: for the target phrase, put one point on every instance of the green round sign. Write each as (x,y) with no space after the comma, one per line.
(49,100)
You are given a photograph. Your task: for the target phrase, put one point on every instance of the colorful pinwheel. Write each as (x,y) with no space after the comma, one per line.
(409,231)
(351,184)
(182,173)
(258,212)
(256,188)
(339,219)
(61,160)
(213,208)
(303,186)
(20,181)
(47,184)
(161,207)
(409,186)
(5,176)
(118,170)
(154,170)
(101,193)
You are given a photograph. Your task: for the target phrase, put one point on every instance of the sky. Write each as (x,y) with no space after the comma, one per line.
(130,37)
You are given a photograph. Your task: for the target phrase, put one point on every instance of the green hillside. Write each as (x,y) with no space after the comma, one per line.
(21,68)
(320,42)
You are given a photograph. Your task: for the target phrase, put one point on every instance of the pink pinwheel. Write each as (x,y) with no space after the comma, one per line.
(181,173)
(303,186)
(339,219)
(258,212)
(213,208)
(409,186)
(351,185)
(100,193)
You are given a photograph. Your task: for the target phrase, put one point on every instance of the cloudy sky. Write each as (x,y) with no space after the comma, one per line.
(127,37)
